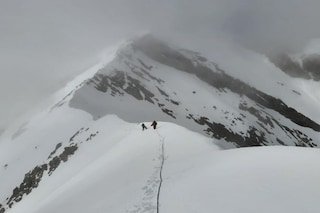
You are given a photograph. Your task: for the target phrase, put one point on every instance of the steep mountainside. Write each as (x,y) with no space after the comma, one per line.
(149,80)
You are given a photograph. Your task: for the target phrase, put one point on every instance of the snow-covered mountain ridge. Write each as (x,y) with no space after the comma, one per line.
(110,165)
(148,79)
(78,157)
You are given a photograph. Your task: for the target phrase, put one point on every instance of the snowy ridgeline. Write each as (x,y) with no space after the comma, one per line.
(149,79)
(77,156)
(118,170)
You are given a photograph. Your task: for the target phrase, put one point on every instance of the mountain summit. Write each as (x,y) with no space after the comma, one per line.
(148,79)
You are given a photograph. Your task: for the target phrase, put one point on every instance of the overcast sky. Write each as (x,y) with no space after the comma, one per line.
(43,43)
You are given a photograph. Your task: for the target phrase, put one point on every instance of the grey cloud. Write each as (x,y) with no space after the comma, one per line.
(43,43)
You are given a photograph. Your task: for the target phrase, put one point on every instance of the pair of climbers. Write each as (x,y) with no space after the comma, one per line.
(154,125)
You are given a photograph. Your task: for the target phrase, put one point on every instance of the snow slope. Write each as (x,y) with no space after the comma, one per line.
(268,179)
(119,171)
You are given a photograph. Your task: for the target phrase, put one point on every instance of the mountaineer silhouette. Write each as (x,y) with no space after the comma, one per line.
(154,124)
(143,126)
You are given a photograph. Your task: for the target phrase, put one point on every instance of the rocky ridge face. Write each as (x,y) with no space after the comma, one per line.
(59,155)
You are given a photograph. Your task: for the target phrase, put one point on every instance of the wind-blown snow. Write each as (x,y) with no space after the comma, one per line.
(64,94)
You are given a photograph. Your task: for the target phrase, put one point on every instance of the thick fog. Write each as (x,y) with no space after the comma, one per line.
(44,43)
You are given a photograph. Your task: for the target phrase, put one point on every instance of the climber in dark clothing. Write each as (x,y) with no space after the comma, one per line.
(143,126)
(154,124)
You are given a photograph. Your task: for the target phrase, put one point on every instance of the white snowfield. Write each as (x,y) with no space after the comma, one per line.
(119,171)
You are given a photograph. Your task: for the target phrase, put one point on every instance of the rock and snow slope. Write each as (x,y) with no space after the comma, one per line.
(149,79)
(118,170)
(78,157)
